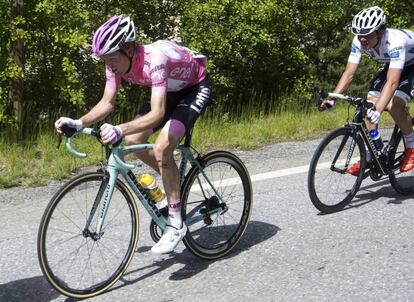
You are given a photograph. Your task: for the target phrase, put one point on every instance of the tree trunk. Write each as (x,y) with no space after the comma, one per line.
(16,85)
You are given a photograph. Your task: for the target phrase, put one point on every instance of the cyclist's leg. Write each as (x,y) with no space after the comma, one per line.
(169,137)
(148,157)
(192,104)
(398,110)
(182,119)
(398,105)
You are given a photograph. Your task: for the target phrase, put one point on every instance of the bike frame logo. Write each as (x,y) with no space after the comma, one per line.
(108,187)
(378,81)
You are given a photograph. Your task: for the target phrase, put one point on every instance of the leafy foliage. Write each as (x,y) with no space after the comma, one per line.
(251,44)
(255,48)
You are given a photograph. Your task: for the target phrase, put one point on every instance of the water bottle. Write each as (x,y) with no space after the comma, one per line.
(148,182)
(376,139)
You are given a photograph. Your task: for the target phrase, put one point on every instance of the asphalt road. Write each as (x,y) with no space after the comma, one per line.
(289,252)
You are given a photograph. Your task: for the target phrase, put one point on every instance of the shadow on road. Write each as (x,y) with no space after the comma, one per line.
(35,289)
(370,193)
(256,232)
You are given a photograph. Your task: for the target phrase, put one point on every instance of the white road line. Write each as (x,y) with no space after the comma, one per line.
(286,172)
(268,175)
(279,173)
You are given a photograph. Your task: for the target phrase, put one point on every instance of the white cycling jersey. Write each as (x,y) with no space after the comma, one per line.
(396,48)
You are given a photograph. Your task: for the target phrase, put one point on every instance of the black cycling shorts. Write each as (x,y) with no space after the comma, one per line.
(404,91)
(185,105)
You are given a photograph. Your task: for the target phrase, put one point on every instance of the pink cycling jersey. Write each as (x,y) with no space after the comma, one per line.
(162,65)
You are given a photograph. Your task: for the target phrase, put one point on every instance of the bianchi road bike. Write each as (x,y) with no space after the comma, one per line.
(89,231)
(330,187)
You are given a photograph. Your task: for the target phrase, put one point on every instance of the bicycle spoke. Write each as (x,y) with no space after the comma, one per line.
(219,185)
(83,262)
(330,186)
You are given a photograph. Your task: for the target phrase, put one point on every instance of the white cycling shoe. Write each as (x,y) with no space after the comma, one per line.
(169,239)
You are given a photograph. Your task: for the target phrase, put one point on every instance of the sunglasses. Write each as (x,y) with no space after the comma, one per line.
(362,31)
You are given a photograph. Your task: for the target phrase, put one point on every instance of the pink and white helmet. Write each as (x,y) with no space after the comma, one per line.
(111,35)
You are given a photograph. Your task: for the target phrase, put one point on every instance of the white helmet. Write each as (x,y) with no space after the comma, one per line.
(111,35)
(368,20)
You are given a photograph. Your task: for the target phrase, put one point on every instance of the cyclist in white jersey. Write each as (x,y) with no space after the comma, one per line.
(180,91)
(393,86)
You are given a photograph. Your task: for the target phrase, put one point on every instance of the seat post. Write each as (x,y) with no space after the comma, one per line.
(187,140)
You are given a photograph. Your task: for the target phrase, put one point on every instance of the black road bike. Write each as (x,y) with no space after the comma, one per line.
(330,187)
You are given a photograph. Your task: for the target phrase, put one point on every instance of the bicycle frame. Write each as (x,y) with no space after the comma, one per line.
(362,131)
(358,128)
(350,144)
(116,165)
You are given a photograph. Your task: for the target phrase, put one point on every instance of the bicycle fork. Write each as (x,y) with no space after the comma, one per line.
(349,155)
(105,190)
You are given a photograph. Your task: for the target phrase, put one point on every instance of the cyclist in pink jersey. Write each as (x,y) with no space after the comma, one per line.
(180,91)
(393,86)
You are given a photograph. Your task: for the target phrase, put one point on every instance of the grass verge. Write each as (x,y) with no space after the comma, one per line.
(35,163)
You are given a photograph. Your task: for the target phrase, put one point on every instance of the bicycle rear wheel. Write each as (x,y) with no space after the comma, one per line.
(330,187)
(402,182)
(76,261)
(217,202)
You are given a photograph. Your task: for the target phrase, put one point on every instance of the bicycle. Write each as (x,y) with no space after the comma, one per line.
(330,187)
(89,231)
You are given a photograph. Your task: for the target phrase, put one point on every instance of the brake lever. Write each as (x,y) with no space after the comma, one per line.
(67,131)
(323,94)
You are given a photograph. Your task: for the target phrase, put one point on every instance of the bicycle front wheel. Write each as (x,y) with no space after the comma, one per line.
(77,261)
(402,182)
(217,202)
(330,187)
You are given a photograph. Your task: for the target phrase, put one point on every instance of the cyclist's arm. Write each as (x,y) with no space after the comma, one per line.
(159,82)
(152,118)
(101,110)
(351,67)
(346,78)
(387,92)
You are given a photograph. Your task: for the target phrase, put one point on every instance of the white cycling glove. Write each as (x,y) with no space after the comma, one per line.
(76,124)
(110,134)
(373,116)
(326,105)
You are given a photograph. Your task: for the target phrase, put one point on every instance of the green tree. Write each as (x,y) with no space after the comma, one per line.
(255,47)
(251,45)
(59,74)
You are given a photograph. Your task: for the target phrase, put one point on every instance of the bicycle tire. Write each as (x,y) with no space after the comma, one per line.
(64,210)
(402,182)
(224,237)
(327,195)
